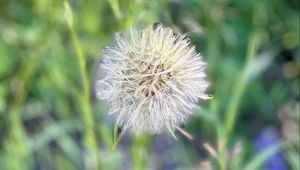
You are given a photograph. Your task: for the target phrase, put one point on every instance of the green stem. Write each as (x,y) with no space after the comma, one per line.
(140,152)
(117,141)
(90,141)
(17,141)
(115,8)
(240,86)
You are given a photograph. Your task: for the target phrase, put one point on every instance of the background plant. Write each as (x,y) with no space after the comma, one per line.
(49,54)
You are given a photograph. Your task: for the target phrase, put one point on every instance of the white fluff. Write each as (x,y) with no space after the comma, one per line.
(152,79)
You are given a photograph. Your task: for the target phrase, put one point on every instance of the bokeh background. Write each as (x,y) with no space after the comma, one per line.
(51,120)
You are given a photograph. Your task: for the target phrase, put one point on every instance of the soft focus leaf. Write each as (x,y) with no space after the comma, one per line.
(260,158)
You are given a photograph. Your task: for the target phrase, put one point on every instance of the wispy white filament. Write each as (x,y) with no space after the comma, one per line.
(152,79)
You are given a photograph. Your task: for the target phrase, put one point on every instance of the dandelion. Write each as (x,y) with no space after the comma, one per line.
(151,79)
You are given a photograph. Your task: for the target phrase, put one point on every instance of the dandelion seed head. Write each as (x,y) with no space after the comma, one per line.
(151,79)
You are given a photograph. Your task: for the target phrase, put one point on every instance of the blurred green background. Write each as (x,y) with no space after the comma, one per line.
(49,55)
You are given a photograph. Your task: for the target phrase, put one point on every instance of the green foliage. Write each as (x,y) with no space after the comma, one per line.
(49,55)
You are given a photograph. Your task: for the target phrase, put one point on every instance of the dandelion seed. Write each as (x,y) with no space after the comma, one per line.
(151,79)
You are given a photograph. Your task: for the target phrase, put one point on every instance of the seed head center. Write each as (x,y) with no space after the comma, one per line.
(152,80)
